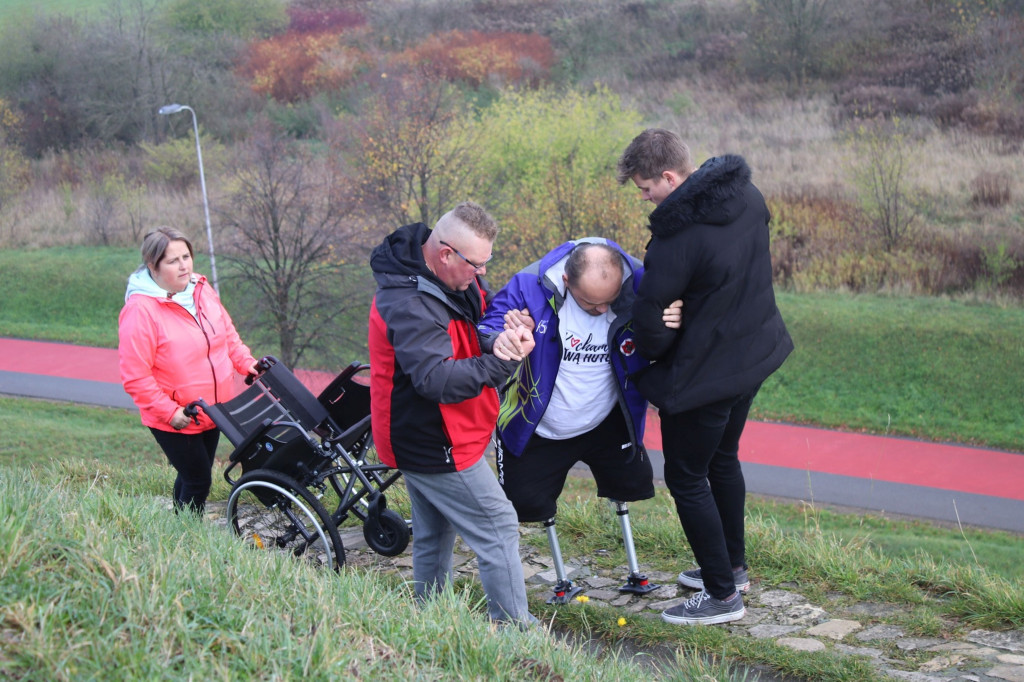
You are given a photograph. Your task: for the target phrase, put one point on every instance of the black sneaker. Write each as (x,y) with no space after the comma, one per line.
(692,579)
(703,609)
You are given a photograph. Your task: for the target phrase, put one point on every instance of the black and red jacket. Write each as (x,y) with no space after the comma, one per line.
(433,394)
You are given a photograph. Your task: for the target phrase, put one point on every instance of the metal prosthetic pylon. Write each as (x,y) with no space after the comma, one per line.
(636,582)
(563,590)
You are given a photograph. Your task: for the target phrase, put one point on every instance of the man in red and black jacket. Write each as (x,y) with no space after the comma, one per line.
(434,401)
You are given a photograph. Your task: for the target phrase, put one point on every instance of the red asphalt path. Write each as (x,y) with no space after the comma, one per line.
(894,460)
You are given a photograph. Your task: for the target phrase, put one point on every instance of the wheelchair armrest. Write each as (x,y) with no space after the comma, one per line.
(244,446)
(347,438)
(247,442)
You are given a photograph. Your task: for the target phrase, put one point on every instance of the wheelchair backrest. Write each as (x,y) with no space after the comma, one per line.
(346,400)
(275,396)
(303,406)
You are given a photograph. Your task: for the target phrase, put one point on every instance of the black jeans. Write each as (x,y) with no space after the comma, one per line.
(191,455)
(703,473)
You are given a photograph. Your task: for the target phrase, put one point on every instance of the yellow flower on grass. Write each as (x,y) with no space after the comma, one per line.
(583,599)
(622,622)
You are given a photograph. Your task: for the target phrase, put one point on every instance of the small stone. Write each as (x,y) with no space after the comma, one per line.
(663,592)
(880,632)
(834,629)
(1011,641)
(804,614)
(801,644)
(771,631)
(635,607)
(604,595)
(542,560)
(941,663)
(869,652)
(754,616)
(1011,673)
(781,598)
(1011,659)
(551,576)
(959,648)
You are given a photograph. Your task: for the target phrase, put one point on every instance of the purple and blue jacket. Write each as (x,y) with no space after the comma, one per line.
(539,288)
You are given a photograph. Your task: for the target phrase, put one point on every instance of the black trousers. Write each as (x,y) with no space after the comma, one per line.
(533,481)
(191,455)
(703,473)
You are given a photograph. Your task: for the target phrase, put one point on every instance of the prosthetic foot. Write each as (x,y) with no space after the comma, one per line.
(636,582)
(564,590)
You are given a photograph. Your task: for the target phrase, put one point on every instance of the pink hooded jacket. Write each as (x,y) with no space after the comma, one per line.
(168,357)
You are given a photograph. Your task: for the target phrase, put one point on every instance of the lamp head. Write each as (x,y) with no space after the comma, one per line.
(170,109)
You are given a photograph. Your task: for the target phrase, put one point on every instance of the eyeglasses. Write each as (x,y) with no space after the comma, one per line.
(472,264)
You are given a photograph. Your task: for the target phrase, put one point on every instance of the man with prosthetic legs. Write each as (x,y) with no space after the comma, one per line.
(572,400)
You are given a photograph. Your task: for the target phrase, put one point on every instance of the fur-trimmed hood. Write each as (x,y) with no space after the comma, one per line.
(713,194)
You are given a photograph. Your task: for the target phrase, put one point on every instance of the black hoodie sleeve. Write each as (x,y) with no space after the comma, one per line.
(424,349)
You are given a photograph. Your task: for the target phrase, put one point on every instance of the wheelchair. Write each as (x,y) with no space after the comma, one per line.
(307,463)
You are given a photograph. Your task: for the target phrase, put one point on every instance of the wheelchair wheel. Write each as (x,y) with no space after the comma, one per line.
(270,510)
(390,537)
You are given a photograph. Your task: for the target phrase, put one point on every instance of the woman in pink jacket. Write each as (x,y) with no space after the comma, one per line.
(176,344)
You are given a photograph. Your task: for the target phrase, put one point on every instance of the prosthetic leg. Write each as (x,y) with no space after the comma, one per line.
(563,590)
(636,582)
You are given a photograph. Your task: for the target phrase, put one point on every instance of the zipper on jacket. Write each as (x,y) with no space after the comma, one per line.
(209,346)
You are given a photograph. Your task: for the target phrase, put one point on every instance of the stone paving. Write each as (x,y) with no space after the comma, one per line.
(778,613)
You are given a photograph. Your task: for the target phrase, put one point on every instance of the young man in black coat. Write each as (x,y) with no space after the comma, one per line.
(709,247)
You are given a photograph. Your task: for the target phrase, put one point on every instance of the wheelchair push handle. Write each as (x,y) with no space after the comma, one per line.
(262,365)
(192,410)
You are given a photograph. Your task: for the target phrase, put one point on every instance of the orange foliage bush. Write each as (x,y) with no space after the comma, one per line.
(476,57)
(293,66)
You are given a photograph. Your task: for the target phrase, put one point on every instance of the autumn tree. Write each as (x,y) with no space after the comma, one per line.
(880,176)
(476,58)
(295,66)
(549,158)
(416,152)
(294,251)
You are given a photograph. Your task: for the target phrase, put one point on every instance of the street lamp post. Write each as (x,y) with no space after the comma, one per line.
(173,109)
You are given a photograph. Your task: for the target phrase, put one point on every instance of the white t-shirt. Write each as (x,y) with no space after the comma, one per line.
(584,390)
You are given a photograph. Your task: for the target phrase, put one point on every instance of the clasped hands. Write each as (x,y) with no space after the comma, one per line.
(516,341)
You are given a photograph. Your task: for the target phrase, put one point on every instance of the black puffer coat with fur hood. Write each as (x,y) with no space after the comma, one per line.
(709,247)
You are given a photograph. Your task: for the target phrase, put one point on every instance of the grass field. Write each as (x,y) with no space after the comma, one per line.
(91,556)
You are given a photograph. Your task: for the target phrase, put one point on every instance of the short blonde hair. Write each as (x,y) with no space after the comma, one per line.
(471,215)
